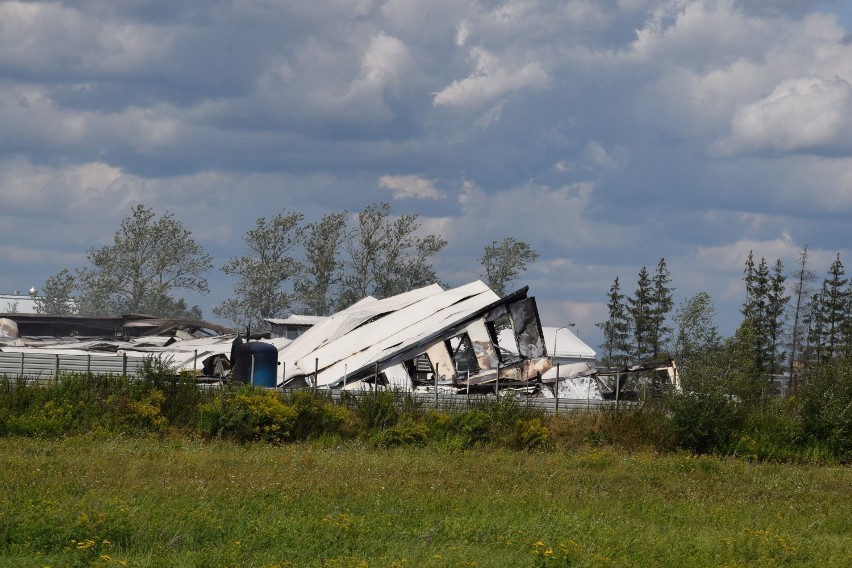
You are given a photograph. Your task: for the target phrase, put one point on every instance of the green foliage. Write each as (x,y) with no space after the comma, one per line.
(244,413)
(406,432)
(696,331)
(769,435)
(705,422)
(616,329)
(385,257)
(74,404)
(505,261)
(266,273)
(801,292)
(137,415)
(661,307)
(149,260)
(459,430)
(640,307)
(825,408)
(531,433)
(649,428)
(318,285)
(57,294)
(376,410)
(317,416)
(710,419)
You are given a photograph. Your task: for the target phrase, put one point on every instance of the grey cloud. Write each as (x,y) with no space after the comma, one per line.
(555,122)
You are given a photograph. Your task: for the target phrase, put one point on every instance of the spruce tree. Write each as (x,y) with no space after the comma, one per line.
(616,329)
(756,311)
(814,351)
(661,307)
(776,307)
(639,308)
(834,306)
(801,291)
(749,279)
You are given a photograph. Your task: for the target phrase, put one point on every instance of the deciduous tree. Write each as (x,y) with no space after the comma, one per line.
(57,297)
(149,260)
(317,286)
(385,256)
(266,273)
(505,261)
(697,334)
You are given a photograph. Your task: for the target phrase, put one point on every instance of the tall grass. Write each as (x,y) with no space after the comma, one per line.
(815,428)
(113,501)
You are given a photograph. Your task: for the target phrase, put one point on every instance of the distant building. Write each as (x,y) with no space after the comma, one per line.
(293,326)
(17,303)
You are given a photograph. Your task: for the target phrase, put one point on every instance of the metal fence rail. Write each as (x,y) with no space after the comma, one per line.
(455,402)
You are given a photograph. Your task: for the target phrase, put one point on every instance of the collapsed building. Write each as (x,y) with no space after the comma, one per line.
(465,339)
(462,339)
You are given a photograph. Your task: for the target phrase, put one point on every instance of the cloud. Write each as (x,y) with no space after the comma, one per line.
(48,37)
(490,80)
(606,134)
(801,114)
(410,186)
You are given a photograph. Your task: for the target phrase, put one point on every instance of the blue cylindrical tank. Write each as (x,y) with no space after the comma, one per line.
(256,363)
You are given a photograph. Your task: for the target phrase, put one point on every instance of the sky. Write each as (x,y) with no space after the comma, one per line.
(605,133)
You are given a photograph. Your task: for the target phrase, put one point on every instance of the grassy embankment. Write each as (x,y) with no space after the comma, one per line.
(176,501)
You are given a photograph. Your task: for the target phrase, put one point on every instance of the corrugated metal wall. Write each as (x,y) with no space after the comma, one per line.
(47,364)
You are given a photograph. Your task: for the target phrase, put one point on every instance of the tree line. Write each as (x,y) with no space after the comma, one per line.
(287,264)
(791,323)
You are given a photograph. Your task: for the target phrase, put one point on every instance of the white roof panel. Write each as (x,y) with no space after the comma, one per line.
(356,346)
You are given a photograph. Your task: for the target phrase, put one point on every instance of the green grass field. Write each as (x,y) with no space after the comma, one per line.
(115,501)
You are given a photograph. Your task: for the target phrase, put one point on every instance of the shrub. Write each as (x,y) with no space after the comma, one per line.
(531,433)
(52,418)
(376,410)
(144,414)
(406,432)
(824,405)
(459,430)
(705,422)
(317,417)
(248,414)
(504,415)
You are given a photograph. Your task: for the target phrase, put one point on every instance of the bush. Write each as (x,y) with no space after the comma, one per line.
(376,410)
(316,417)
(824,405)
(705,422)
(52,418)
(406,432)
(142,414)
(248,414)
(531,433)
(459,430)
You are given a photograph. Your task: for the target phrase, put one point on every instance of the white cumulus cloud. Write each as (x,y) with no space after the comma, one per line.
(800,114)
(410,186)
(490,80)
